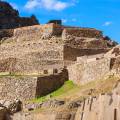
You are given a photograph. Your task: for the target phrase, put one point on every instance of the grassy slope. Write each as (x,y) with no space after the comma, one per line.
(63,91)
(70,91)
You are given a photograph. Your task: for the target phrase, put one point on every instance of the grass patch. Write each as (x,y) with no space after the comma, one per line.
(70,91)
(12,74)
(66,88)
(105,85)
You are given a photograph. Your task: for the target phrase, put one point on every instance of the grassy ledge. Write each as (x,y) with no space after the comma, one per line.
(63,91)
(71,91)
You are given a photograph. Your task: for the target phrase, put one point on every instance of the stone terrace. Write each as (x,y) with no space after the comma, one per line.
(44,46)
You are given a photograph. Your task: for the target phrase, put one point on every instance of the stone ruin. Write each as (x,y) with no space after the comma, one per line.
(103,107)
(57,22)
(36,60)
(28,87)
(30,49)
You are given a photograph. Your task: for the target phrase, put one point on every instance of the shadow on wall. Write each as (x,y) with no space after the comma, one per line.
(48,84)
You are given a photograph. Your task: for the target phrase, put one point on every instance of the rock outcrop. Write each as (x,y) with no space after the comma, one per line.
(8,108)
(9,17)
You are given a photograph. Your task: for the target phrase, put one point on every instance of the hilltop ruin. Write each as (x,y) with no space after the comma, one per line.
(36,60)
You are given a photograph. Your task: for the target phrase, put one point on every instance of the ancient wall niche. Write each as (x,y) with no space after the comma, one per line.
(45,71)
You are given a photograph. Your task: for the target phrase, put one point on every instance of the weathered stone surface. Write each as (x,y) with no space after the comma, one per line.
(87,70)
(105,107)
(65,116)
(74,104)
(28,116)
(25,88)
(47,104)
(59,22)
(11,106)
(71,33)
(52,104)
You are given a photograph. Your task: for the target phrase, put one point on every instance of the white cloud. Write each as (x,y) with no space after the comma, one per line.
(31,4)
(56,5)
(108,23)
(15,6)
(74,20)
(64,20)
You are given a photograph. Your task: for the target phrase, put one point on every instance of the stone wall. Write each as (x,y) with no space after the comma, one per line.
(30,57)
(28,87)
(38,32)
(25,66)
(71,53)
(48,84)
(104,107)
(26,31)
(89,70)
(87,43)
(21,49)
(71,33)
(17,87)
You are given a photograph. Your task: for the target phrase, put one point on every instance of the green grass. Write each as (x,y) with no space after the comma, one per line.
(70,91)
(7,74)
(66,88)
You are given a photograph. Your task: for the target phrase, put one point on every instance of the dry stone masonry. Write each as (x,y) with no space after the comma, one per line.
(29,87)
(87,70)
(36,60)
(33,49)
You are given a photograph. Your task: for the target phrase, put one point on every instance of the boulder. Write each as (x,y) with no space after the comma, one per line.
(11,106)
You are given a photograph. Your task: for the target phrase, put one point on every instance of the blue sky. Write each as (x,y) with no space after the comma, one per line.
(100,14)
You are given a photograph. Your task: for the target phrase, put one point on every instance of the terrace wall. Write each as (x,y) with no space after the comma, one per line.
(28,87)
(71,53)
(89,70)
(71,33)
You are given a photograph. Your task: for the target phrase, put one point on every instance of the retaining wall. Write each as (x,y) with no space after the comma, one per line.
(25,88)
(71,53)
(89,70)
(70,33)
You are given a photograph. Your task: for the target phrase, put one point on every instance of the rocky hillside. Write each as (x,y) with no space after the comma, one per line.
(9,17)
